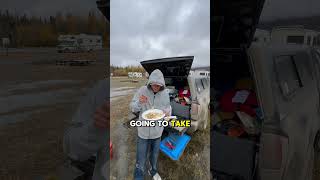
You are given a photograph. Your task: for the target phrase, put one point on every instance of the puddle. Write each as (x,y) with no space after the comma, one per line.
(124,88)
(40,84)
(14,118)
(117,93)
(11,103)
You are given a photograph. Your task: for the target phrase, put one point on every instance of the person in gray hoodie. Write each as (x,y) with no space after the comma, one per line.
(148,142)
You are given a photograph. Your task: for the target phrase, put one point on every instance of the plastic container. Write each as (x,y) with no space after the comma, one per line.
(179,143)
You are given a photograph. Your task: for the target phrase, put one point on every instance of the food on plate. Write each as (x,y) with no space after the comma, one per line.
(153,115)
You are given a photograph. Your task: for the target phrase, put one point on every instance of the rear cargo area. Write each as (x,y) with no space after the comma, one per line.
(180,97)
(237,117)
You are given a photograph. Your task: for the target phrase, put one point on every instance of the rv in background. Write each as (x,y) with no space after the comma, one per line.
(295,35)
(262,36)
(134,74)
(79,43)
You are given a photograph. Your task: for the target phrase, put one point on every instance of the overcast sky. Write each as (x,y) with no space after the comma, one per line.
(144,29)
(282,9)
(273,8)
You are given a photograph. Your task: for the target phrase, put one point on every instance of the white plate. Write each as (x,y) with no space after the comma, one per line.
(151,111)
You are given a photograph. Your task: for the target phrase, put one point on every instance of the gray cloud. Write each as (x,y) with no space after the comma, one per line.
(146,29)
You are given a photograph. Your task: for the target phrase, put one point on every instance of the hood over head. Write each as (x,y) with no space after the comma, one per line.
(156,77)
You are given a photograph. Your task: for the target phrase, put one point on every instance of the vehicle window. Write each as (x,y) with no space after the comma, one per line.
(205,83)
(199,85)
(317,56)
(295,39)
(287,74)
(202,74)
(304,67)
(317,59)
(309,40)
(314,41)
(318,40)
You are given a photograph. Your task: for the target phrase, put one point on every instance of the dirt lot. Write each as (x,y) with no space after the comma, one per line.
(37,98)
(193,165)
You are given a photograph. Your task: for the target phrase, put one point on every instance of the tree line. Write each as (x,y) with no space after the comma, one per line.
(123,71)
(31,31)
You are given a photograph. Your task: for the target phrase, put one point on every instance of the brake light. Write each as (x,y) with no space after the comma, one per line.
(111,150)
(272,152)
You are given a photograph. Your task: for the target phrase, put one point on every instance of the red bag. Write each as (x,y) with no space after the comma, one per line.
(226,101)
(184,93)
(248,106)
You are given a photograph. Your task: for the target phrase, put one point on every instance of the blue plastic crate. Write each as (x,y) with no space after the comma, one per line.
(180,142)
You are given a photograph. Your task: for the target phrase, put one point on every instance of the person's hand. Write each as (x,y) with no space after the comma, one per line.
(143,99)
(101,116)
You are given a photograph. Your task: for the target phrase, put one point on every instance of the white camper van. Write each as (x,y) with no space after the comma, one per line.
(295,35)
(79,43)
(134,74)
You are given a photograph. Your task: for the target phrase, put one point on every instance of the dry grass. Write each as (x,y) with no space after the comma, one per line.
(32,148)
(194,162)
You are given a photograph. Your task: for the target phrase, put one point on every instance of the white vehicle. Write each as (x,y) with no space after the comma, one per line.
(79,43)
(176,74)
(295,35)
(134,75)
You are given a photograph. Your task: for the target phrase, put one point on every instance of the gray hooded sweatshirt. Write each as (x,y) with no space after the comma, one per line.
(159,100)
